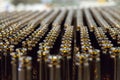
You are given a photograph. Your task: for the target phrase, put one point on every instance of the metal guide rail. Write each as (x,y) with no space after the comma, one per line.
(60,44)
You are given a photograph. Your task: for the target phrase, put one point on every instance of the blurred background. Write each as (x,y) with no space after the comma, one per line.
(11,5)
